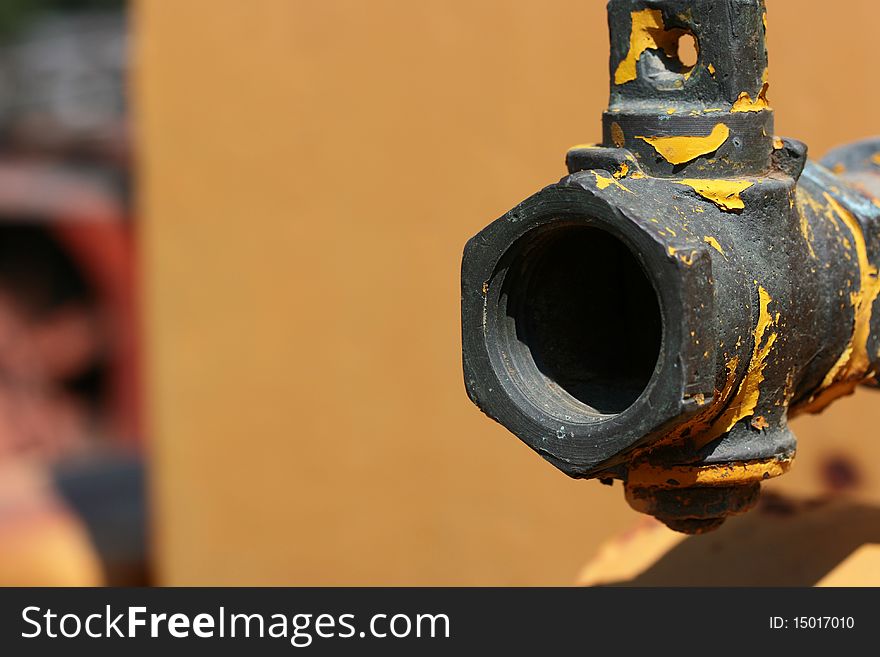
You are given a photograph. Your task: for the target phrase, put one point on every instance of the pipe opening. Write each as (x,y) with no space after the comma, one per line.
(582,320)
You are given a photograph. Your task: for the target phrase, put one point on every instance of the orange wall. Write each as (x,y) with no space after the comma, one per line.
(310,170)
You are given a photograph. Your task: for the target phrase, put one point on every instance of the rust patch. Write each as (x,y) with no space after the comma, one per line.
(617,135)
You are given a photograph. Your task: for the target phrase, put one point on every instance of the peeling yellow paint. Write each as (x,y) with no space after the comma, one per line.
(621,173)
(805,199)
(778,144)
(723,193)
(711,241)
(680,149)
(688,260)
(617,135)
(807,232)
(648,32)
(875,158)
(711,68)
(701,421)
(745,401)
(852,366)
(647,475)
(744,102)
(602,182)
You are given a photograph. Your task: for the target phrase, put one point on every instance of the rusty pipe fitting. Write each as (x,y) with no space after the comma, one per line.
(658,314)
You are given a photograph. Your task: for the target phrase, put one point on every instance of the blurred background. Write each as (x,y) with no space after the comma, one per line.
(230,239)
(71,473)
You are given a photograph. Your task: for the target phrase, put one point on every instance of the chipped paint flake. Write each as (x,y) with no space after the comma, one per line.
(744,102)
(711,241)
(723,193)
(648,33)
(622,171)
(681,149)
(602,182)
(745,401)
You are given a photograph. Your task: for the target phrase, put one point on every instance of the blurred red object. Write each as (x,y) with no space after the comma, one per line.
(46,342)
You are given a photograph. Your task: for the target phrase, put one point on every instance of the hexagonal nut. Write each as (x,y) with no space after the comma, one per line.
(581,334)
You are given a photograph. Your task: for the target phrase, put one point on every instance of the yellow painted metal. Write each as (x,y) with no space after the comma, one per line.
(645,475)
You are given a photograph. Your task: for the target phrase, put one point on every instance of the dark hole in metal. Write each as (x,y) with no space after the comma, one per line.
(583,320)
